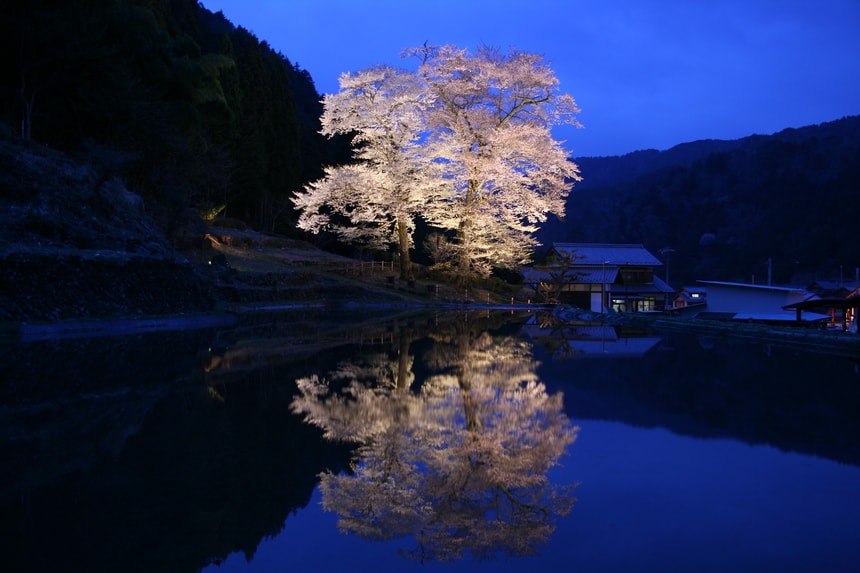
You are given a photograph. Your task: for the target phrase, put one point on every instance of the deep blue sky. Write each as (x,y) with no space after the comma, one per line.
(646,73)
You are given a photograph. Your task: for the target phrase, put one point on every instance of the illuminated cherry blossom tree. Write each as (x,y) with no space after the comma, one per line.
(464,141)
(375,200)
(489,130)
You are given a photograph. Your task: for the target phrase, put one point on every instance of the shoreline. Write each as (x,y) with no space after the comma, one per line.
(832,342)
(121,326)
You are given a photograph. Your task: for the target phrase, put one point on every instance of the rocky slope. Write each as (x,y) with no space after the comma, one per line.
(75,245)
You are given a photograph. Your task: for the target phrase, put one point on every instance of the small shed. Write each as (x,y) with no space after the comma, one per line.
(842,312)
(690,296)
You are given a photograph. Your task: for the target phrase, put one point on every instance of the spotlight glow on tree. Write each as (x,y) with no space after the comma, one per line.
(464,142)
(380,195)
(490,131)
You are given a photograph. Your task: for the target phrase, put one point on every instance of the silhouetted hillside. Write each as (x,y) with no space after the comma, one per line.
(195,114)
(727,207)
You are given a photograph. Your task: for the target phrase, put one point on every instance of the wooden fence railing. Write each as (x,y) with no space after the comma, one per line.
(368,267)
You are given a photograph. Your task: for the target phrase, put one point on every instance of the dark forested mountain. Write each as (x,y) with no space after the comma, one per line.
(729,209)
(190,110)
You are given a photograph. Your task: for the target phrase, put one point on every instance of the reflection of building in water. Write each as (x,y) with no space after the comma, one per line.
(591,340)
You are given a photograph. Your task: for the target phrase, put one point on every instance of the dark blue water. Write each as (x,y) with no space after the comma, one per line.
(449,444)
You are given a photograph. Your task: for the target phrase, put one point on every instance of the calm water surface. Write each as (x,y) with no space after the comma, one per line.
(444,442)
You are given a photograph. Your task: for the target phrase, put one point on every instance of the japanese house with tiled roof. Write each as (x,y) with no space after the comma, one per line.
(600,276)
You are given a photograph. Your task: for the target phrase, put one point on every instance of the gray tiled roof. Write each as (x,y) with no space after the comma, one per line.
(586,276)
(609,253)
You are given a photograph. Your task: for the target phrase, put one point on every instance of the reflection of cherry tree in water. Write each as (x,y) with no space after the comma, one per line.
(461,465)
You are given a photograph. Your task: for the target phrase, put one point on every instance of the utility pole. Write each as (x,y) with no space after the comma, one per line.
(603,287)
(667,253)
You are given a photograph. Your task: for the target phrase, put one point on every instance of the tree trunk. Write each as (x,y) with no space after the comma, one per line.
(464,260)
(464,236)
(403,246)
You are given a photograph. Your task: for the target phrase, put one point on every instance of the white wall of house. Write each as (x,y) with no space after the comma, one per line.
(751,299)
